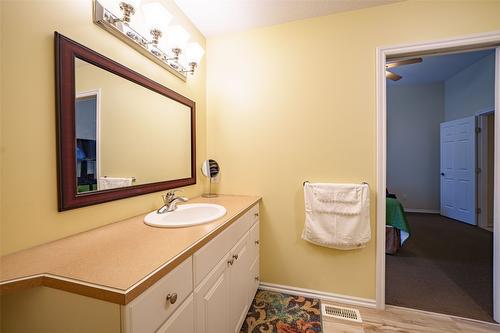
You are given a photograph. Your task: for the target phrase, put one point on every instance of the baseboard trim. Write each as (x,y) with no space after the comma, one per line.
(324,296)
(418,210)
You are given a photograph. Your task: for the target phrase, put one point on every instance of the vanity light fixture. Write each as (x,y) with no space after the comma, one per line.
(166,46)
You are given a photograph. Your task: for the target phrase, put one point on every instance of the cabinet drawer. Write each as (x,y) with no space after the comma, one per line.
(148,311)
(205,259)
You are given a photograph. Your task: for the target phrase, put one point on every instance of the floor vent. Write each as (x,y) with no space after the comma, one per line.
(339,312)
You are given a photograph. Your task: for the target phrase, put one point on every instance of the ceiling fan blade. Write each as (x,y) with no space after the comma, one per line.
(403,62)
(392,76)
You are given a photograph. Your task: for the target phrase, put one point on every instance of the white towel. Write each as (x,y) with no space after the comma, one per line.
(337,215)
(106,183)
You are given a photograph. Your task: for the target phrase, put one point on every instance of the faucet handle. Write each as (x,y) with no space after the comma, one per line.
(169,195)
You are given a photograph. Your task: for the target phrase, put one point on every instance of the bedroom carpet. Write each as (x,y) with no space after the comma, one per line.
(445,267)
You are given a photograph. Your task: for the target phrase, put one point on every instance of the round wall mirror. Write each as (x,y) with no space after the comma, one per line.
(210,168)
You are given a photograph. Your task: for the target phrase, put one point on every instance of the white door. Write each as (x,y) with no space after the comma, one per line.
(458,169)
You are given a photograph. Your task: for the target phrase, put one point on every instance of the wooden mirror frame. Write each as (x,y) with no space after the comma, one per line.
(66,50)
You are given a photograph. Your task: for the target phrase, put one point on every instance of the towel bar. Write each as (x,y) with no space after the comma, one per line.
(133,178)
(304,183)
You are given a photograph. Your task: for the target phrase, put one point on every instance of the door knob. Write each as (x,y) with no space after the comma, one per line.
(172,298)
(442,173)
(257,242)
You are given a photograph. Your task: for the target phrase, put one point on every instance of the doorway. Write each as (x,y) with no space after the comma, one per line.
(388,53)
(87,116)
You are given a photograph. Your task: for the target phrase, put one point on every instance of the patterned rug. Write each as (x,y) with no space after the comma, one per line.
(273,312)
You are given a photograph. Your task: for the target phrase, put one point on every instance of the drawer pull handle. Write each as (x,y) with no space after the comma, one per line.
(172,298)
(256,278)
(257,242)
(235,256)
(230,262)
(256,214)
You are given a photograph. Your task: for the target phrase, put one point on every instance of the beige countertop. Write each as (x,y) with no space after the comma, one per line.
(116,262)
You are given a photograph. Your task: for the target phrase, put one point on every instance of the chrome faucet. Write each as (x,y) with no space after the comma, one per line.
(170,201)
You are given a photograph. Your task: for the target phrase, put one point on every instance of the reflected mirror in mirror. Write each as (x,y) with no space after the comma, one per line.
(126,134)
(210,168)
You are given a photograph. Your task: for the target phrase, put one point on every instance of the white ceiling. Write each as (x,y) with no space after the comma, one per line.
(439,68)
(216,17)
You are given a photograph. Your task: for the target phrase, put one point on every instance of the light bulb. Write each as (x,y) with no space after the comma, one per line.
(112,6)
(176,37)
(194,53)
(156,16)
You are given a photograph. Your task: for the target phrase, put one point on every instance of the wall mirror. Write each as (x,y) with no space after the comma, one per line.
(120,134)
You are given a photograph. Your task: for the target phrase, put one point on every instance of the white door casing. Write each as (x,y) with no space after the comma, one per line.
(452,44)
(496,197)
(97,94)
(458,169)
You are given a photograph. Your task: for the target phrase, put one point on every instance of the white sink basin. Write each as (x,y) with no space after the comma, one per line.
(186,215)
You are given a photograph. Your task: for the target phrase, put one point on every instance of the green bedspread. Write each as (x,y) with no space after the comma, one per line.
(395,215)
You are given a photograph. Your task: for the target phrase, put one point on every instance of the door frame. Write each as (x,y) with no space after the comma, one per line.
(449,45)
(482,163)
(97,94)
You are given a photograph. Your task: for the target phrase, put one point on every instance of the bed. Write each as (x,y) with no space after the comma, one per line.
(397,230)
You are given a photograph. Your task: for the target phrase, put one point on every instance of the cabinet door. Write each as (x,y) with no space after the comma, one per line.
(239,284)
(182,320)
(254,241)
(212,300)
(254,281)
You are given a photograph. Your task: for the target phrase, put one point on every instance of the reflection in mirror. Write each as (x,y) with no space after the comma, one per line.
(210,168)
(126,134)
(86,116)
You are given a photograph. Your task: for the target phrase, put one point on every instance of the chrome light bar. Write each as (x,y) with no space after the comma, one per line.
(119,28)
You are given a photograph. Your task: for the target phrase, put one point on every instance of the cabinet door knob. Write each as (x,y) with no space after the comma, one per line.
(172,298)
(230,262)
(256,278)
(257,242)
(235,256)
(256,214)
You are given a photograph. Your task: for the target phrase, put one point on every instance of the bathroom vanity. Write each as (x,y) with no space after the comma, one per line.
(175,280)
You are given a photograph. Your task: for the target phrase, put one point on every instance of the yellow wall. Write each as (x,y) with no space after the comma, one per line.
(29,185)
(297,102)
(46,310)
(146,136)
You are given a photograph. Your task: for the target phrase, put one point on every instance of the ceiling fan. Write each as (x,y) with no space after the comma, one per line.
(395,77)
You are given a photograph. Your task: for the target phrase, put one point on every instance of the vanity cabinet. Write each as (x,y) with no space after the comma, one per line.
(210,292)
(223,297)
